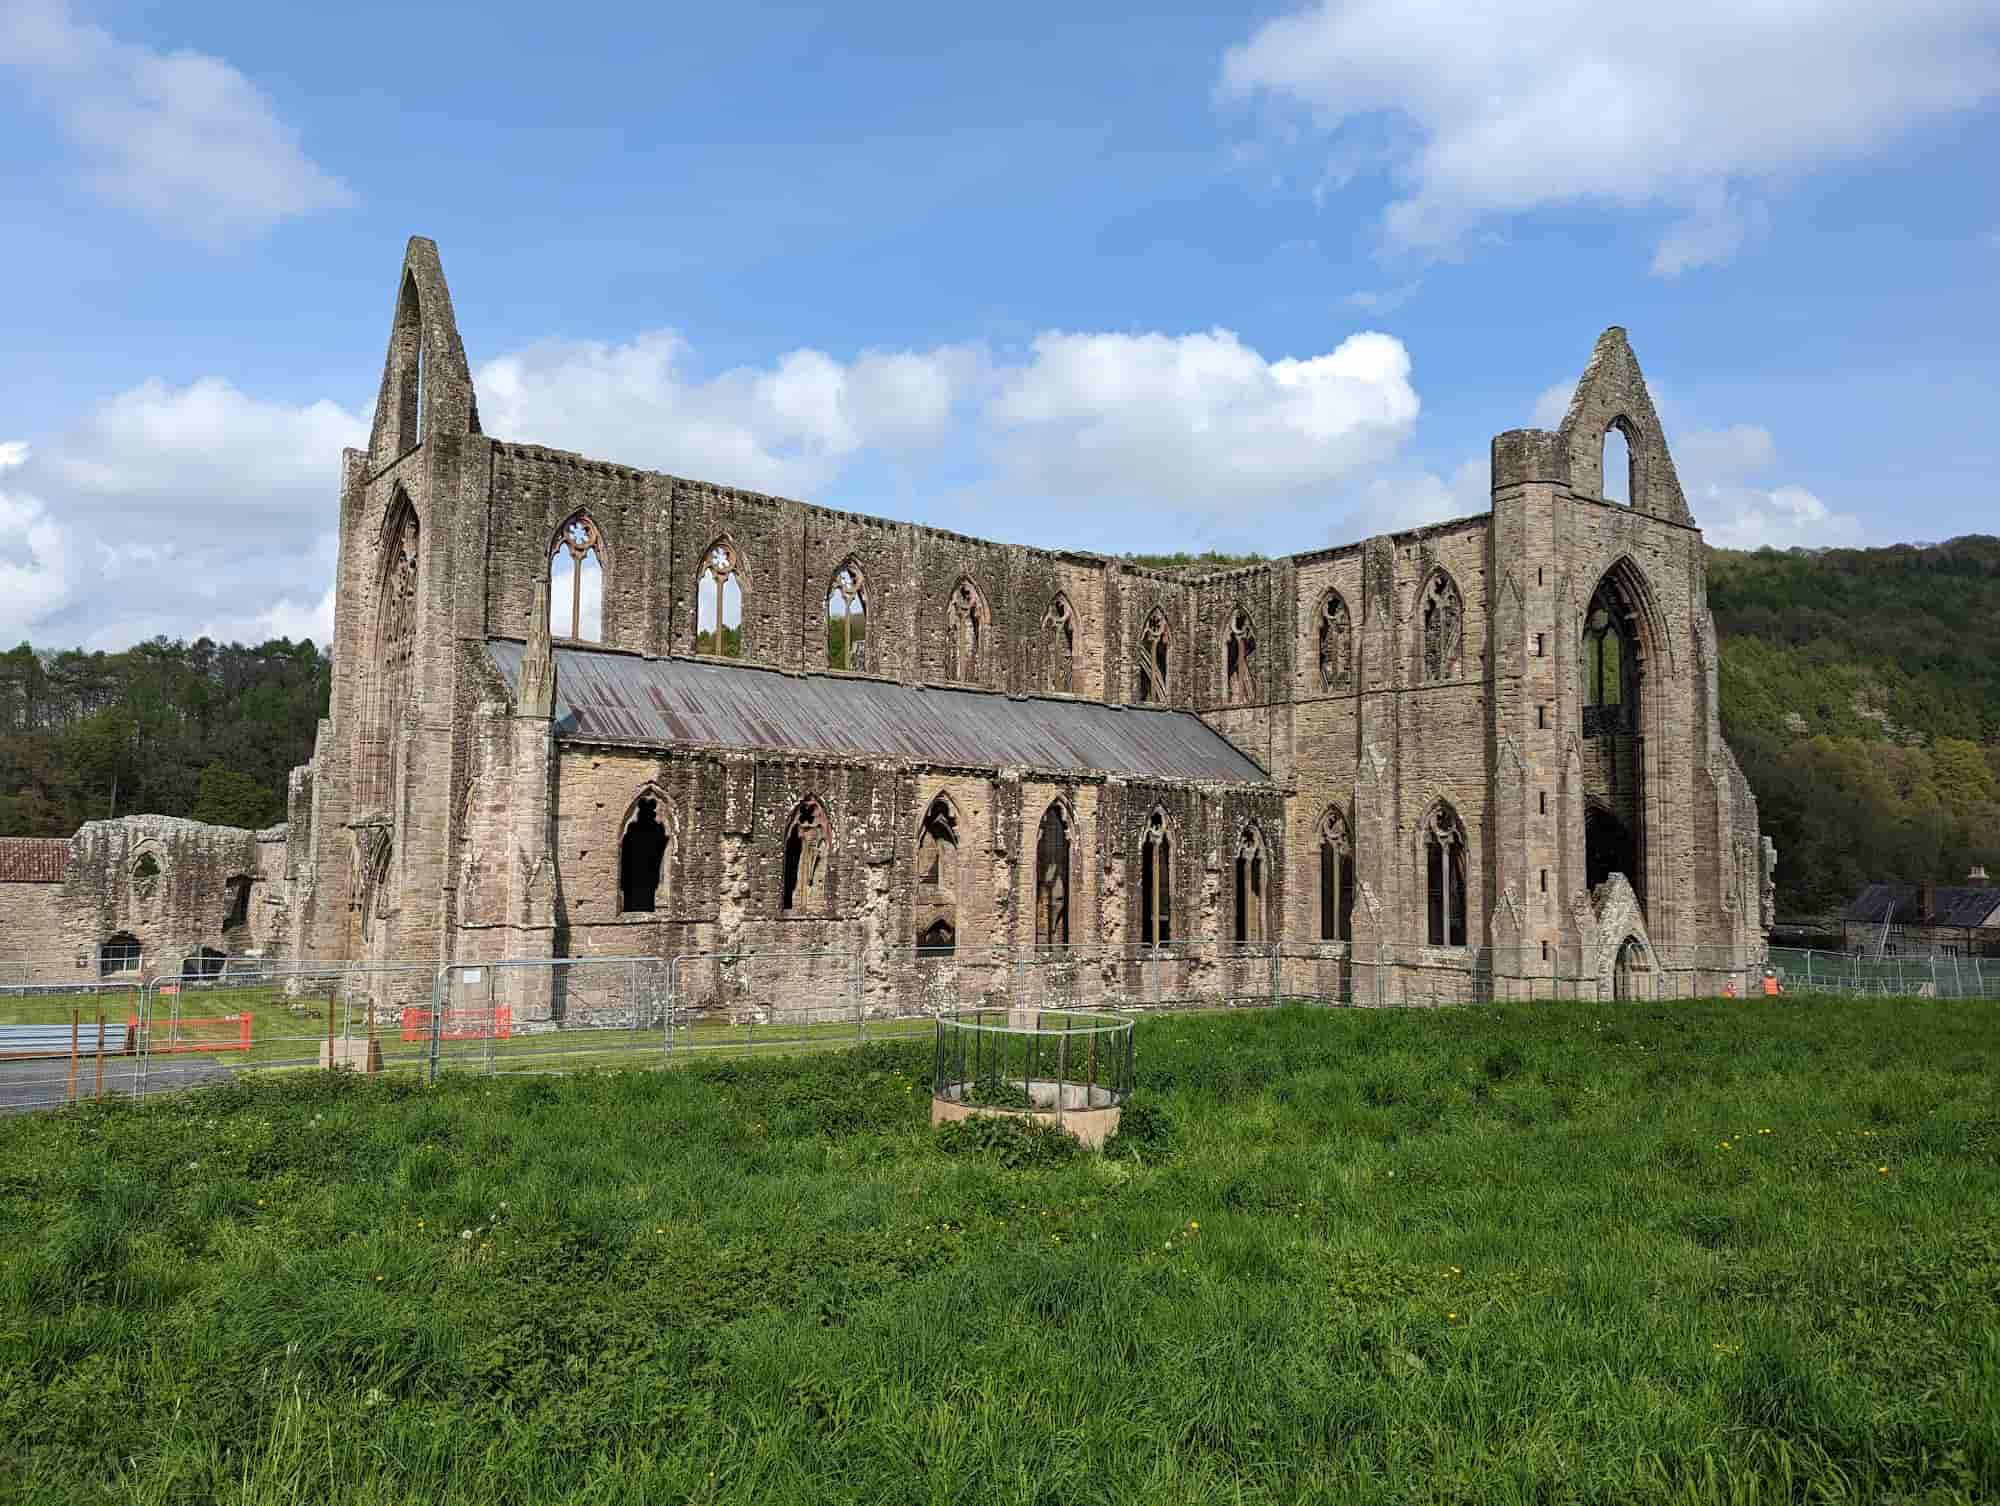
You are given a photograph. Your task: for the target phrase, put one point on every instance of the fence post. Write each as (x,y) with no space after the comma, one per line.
(439,984)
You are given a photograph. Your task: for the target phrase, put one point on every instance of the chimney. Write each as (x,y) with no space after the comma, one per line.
(1927,904)
(1978,874)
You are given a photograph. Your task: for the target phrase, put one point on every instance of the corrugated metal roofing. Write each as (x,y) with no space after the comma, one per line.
(33,860)
(1957,905)
(623,698)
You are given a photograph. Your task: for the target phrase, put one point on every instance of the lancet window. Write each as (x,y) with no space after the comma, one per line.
(1154,659)
(967,627)
(1052,878)
(847,619)
(808,855)
(1336,644)
(1444,864)
(1059,647)
(1156,884)
(718,602)
(1252,867)
(1240,651)
(576,581)
(1336,879)
(1442,619)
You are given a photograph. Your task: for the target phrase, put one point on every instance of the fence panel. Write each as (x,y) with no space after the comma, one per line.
(546,1015)
(64,1043)
(756,1000)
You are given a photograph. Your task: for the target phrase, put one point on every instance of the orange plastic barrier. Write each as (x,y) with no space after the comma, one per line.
(229,1032)
(460,1024)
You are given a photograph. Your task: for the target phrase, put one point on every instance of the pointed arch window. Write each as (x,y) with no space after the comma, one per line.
(119,954)
(1444,868)
(1615,463)
(1610,667)
(968,625)
(1156,883)
(808,855)
(1240,682)
(1052,877)
(576,581)
(1336,879)
(847,619)
(1442,620)
(409,349)
(1252,869)
(646,849)
(936,918)
(1154,659)
(394,671)
(1336,644)
(718,602)
(1059,647)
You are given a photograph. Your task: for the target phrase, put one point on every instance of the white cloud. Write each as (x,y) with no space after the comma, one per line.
(1725,454)
(180,136)
(1784,517)
(1199,419)
(1391,503)
(1552,404)
(1696,108)
(1381,300)
(786,428)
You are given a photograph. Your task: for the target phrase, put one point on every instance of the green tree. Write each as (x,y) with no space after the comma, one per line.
(229,798)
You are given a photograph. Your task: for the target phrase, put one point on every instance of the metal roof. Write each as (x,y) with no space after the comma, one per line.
(1957,905)
(622,698)
(33,860)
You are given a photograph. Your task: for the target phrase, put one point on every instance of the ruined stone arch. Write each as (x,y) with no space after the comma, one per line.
(969,639)
(1440,628)
(1333,638)
(807,885)
(1634,478)
(1336,876)
(1153,672)
(648,852)
(1059,647)
(1253,884)
(579,579)
(392,663)
(1156,880)
(1620,652)
(848,627)
(1239,658)
(1054,875)
(1443,864)
(721,599)
(935,919)
(119,953)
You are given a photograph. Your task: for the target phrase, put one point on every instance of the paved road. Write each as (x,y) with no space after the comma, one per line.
(44,1083)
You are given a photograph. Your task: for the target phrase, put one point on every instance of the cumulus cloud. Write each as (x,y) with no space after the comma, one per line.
(180,136)
(1201,420)
(1701,108)
(786,428)
(1393,502)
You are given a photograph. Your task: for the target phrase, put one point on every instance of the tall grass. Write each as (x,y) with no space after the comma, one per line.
(1698,1252)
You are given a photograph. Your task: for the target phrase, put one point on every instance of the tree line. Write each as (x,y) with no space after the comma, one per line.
(197,729)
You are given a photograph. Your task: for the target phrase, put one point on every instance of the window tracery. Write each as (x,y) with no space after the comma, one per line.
(1250,872)
(576,581)
(847,619)
(1156,883)
(718,602)
(1059,647)
(808,852)
(936,917)
(1336,644)
(1609,664)
(1443,624)
(1336,879)
(1444,862)
(966,629)
(1241,683)
(1052,880)
(1154,660)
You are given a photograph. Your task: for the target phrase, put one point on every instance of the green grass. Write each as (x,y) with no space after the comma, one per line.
(1530,1253)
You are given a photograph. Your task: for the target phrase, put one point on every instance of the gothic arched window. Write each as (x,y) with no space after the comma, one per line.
(936,917)
(645,856)
(395,653)
(1153,660)
(1052,877)
(847,619)
(1059,647)
(1442,620)
(1252,867)
(718,602)
(1336,879)
(1240,683)
(1336,644)
(576,581)
(808,853)
(1444,869)
(968,625)
(1609,665)
(1156,883)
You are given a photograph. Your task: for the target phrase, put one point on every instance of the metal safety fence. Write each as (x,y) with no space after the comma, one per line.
(66,1043)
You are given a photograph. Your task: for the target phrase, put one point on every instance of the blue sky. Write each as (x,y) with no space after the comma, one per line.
(1166,279)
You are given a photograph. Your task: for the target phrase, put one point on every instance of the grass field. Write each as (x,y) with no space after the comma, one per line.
(1697,1252)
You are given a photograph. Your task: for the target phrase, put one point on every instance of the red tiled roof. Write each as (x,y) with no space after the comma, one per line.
(33,860)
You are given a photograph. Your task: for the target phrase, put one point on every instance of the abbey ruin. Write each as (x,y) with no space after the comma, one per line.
(582,710)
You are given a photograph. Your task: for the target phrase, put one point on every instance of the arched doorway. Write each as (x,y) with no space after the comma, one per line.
(1632,973)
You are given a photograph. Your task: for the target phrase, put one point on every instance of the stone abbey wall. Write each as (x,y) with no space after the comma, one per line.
(1438,756)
